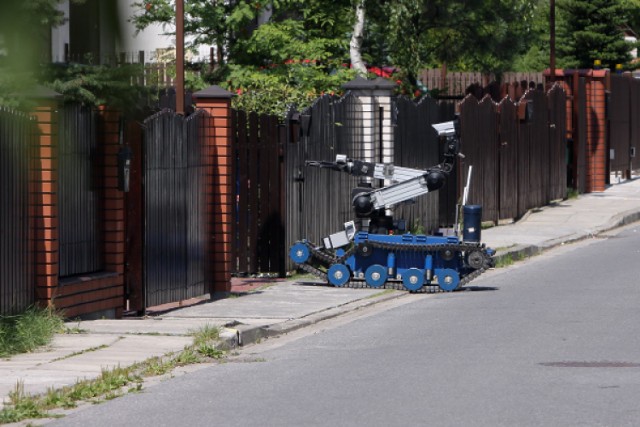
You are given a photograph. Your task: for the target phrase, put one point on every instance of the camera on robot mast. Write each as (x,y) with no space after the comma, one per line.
(448,129)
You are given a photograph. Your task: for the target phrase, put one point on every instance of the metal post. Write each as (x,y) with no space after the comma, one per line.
(180,56)
(552,40)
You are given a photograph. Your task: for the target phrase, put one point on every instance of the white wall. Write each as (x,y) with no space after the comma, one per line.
(150,40)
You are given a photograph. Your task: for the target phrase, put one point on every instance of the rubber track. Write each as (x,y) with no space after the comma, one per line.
(319,254)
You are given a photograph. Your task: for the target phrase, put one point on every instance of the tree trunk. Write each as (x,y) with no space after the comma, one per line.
(356,41)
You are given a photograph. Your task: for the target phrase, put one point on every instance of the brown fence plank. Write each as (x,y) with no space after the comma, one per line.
(479,138)
(508,160)
(558,144)
(619,124)
(253,209)
(242,189)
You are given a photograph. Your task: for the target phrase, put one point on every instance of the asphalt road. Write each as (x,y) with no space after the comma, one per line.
(553,341)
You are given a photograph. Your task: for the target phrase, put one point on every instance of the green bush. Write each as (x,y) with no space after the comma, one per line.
(25,332)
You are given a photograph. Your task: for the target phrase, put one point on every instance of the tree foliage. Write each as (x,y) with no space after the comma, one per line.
(465,34)
(593,30)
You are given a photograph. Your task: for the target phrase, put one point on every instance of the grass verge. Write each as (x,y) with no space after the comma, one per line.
(509,259)
(27,331)
(111,383)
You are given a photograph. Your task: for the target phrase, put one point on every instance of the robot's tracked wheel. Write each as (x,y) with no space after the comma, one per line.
(476,260)
(376,275)
(413,279)
(448,279)
(299,253)
(338,275)
(365,249)
(447,254)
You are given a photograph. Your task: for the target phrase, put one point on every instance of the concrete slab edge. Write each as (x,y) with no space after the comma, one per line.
(520,252)
(244,335)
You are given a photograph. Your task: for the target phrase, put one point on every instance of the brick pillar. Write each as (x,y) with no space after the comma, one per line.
(216,102)
(43,196)
(596,156)
(597,152)
(377,132)
(98,292)
(114,229)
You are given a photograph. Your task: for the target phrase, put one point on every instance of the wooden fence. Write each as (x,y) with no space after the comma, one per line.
(517,152)
(624,125)
(455,84)
(258,238)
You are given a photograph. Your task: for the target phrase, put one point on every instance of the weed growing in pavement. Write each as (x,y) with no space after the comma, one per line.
(509,259)
(21,407)
(381,293)
(572,193)
(77,353)
(205,334)
(111,383)
(504,261)
(27,331)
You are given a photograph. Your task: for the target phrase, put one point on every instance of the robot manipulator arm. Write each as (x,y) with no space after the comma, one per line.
(344,164)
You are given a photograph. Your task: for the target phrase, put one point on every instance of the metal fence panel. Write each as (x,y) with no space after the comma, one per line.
(174,211)
(634,118)
(619,124)
(17,136)
(79,190)
(416,145)
(321,200)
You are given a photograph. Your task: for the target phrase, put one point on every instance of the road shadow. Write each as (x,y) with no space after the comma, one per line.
(479,288)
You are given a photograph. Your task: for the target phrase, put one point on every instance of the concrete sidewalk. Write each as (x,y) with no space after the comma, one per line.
(268,308)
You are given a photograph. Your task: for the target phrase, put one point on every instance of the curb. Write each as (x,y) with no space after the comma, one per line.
(527,251)
(244,335)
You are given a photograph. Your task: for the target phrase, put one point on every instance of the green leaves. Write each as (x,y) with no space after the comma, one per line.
(590,30)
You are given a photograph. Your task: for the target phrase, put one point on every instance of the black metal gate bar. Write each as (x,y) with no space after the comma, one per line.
(174,262)
(619,117)
(79,192)
(17,137)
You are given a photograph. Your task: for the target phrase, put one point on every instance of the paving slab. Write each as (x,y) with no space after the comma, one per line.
(288,300)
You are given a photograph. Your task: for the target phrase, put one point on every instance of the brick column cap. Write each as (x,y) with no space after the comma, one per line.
(214,91)
(42,92)
(580,72)
(365,87)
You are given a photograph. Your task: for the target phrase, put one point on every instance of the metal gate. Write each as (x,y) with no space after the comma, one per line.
(79,196)
(173,211)
(17,133)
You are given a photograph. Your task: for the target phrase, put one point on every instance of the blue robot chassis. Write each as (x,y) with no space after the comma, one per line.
(381,252)
(408,261)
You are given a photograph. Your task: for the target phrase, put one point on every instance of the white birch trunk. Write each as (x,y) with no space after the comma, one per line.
(356,41)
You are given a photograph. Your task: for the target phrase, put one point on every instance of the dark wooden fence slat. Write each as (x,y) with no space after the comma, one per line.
(253,210)
(508,151)
(243,192)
